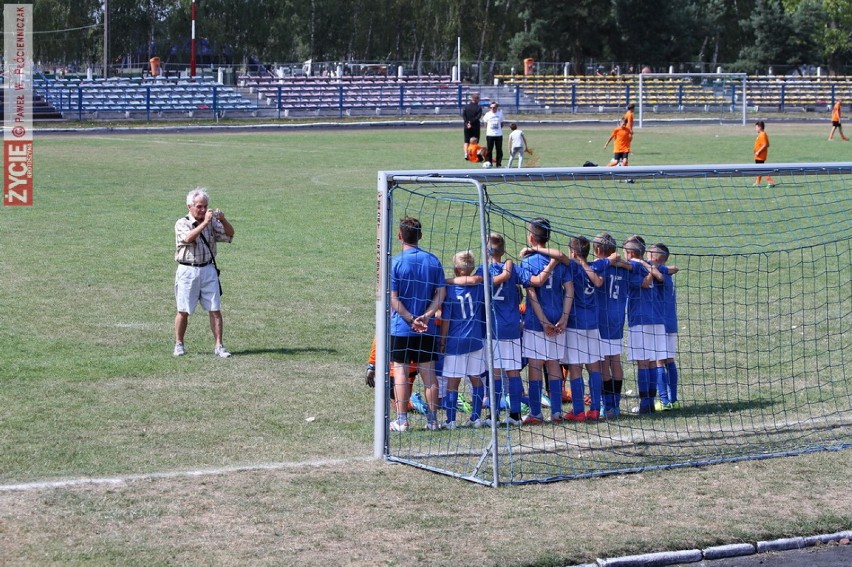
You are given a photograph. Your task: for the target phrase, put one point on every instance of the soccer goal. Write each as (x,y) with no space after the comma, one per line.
(721,94)
(764,305)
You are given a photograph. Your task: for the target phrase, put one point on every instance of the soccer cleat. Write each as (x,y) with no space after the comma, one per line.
(770,185)
(179,350)
(431,426)
(611,414)
(676,405)
(593,415)
(448,425)
(475,423)
(510,421)
(397,426)
(371,375)
(463,405)
(660,406)
(418,403)
(578,417)
(532,419)
(756,185)
(487,422)
(638,410)
(557,417)
(222,352)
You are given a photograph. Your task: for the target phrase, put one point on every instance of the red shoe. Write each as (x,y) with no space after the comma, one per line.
(530,419)
(593,415)
(571,416)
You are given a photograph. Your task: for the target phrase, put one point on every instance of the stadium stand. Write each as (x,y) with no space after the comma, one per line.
(76,98)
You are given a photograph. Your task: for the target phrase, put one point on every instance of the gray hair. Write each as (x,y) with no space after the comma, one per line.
(197,192)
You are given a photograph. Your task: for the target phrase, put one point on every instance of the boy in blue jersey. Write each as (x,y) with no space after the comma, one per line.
(545,320)
(666,370)
(462,339)
(612,304)
(646,337)
(417,292)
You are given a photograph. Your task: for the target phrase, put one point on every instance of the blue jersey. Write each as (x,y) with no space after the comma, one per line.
(415,276)
(584,310)
(611,298)
(668,299)
(643,304)
(550,296)
(505,303)
(464,310)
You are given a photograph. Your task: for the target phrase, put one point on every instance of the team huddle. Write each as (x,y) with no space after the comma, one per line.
(553,313)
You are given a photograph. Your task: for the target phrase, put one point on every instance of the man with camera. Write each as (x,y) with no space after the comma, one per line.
(197,277)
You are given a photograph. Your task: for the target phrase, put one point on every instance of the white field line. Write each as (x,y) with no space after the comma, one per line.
(121,480)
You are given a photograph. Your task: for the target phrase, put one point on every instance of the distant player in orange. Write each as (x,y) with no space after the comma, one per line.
(629,116)
(761,151)
(622,136)
(835,121)
(475,152)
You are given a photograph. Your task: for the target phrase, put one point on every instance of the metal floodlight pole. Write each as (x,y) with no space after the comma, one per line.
(192,44)
(106,37)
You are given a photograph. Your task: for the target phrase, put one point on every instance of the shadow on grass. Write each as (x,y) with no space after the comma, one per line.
(284,351)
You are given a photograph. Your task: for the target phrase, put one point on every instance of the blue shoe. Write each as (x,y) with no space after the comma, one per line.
(419,404)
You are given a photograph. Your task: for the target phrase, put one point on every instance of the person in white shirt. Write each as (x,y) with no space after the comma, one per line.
(494,133)
(517,145)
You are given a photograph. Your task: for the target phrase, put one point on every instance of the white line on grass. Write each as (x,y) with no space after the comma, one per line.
(118,480)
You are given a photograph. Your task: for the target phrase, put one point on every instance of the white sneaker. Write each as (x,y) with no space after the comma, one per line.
(179,350)
(397,426)
(476,424)
(450,425)
(221,352)
(511,422)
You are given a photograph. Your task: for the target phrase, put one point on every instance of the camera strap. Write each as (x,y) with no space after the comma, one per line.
(213,257)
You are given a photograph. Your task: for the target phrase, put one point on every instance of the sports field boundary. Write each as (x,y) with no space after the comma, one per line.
(165,475)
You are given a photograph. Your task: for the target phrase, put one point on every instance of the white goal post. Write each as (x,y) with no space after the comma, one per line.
(669,89)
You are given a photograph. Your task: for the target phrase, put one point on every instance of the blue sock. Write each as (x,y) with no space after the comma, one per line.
(516,390)
(671,367)
(535,397)
(478,393)
(596,389)
(577,391)
(608,389)
(451,400)
(643,384)
(662,384)
(498,395)
(555,395)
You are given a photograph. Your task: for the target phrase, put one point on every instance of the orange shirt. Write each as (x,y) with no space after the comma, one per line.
(762,141)
(473,152)
(629,116)
(835,112)
(622,137)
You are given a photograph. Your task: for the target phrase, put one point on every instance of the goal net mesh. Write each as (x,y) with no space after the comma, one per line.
(764,306)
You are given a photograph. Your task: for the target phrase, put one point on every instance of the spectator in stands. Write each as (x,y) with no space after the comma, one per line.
(761,151)
(517,145)
(197,278)
(494,133)
(472,116)
(417,292)
(835,121)
(622,136)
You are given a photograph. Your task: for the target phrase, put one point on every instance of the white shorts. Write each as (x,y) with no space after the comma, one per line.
(468,364)
(646,342)
(583,346)
(539,346)
(612,347)
(671,345)
(197,284)
(506,354)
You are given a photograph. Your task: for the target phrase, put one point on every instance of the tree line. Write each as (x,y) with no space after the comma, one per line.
(695,35)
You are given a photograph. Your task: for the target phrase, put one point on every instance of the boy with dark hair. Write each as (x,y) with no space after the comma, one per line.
(667,376)
(761,151)
(417,292)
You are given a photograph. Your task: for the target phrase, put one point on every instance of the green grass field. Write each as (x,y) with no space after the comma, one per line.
(265,458)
